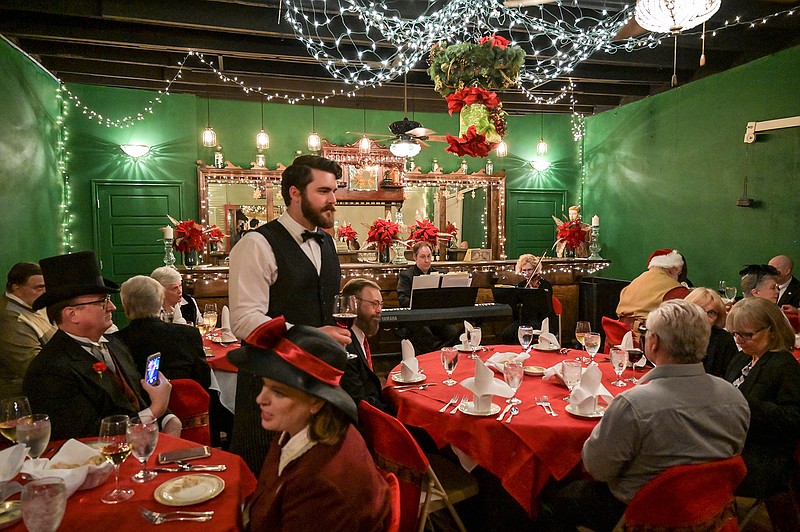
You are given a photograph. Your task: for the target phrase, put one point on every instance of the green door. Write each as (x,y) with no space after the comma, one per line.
(533,230)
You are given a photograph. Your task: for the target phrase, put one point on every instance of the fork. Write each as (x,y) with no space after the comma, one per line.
(463,402)
(420,387)
(157,518)
(453,400)
(540,402)
(547,406)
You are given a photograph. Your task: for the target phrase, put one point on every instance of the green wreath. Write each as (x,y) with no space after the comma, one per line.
(468,65)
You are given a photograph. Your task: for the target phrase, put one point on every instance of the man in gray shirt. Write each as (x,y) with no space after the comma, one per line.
(676,415)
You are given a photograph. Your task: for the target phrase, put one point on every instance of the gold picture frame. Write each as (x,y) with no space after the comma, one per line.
(364,178)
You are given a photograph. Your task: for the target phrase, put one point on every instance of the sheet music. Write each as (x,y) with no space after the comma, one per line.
(420,282)
(456,280)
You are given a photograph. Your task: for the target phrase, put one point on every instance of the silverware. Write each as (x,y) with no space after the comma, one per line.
(455,409)
(514,412)
(415,387)
(401,386)
(548,406)
(183,467)
(504,412)
(540,402)
(157,518)
(453,400)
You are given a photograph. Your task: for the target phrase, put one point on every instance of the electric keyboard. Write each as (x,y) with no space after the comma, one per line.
(435,316)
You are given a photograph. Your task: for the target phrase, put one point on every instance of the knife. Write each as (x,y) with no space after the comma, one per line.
(505,411)
(404,386)
(221,467)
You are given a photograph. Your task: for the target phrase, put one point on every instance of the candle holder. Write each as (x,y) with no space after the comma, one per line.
(169,257)
(594,247)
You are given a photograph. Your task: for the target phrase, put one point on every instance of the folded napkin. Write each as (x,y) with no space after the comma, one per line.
(553,373)
(80,466)
(585,395)
(627,345)
(468,328)
(484,386)
(11,460)
(225,320)
(498,360)
(409,367)
(225,336)
(546,338)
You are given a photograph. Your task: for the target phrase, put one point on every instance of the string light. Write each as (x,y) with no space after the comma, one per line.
(62,157)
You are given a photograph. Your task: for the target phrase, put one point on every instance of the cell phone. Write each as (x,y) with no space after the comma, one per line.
(151,368)
(184,454)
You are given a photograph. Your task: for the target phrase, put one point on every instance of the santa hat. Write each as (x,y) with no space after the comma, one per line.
(665,258)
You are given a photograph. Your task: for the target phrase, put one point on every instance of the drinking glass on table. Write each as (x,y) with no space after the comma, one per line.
(722,286)
(634,355)
(345,310)
(115,447)
(43,503)
(619,361)
(34,432)
(581,328)
(142,436)
(571,371)
(730,293)
(512,373)
(11,410)
(525,335)
(474,339)
(449,356)
(592,342)
(210,317)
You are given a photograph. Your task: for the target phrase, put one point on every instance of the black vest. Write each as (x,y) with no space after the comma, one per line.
(298,293)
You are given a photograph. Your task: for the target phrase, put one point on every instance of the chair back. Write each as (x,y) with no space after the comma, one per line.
(395,451)
(614,331)
(189,401)
(697,495)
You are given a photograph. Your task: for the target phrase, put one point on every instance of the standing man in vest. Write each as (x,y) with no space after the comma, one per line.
(286,267)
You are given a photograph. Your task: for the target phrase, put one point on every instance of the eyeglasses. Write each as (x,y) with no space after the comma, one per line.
(375,304)
(103,301)
(747,335)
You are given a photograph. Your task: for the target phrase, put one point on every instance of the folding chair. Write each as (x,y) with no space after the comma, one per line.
(189,401)
(614,331)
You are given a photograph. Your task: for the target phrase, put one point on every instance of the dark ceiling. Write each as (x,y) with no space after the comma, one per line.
(138,44)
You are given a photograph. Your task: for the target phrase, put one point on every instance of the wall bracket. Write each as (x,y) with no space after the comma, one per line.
(753,128)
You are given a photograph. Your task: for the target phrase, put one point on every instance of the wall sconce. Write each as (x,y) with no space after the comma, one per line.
(540,165)
(135,150)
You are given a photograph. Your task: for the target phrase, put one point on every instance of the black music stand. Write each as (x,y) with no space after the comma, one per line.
(530,305)
(454,296)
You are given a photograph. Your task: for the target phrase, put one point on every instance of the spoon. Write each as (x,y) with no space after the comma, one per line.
(514,412)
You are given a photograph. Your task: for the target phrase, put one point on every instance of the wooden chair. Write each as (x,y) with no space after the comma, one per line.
(189,401)
(697,497)
(421,492)
(614,331)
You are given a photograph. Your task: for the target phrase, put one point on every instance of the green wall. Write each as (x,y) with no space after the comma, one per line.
(667,171)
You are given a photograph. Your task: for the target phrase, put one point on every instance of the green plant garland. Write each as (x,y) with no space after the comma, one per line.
(474,65)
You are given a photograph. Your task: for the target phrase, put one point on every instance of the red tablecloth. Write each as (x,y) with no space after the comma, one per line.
(86,512)
(219,361)
(524,454)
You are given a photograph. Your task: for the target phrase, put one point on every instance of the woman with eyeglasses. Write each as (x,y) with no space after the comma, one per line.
(769,378)
(721,346)
(760,280)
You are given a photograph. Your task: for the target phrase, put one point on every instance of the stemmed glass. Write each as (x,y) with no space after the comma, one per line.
(634,355)
(619,361)
(474,338)
(11,410)
(512,373)
(34,432)
(345,310)
(115,447)
(592,342)
(730,293)
(210,317)
(571,371)
(525,335)
(142,435)
(449,357)
(581,328)
(43,503)
(722,286)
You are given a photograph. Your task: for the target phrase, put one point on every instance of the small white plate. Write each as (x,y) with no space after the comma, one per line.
(534,371)
(572,409)
(468,408)
(189,489)
(396,377)
(10,513)
(548,347)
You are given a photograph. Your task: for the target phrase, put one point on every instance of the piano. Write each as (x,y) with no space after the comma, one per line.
(436,316)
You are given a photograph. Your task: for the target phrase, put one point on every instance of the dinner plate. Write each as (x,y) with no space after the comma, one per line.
(548,347)
(189,489)
(572,409)
(462,349)
(219,340)
(396,377)
(468,408)
(535,371)
(10,513)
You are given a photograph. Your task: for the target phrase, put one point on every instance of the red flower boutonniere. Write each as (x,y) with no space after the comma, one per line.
(100,368)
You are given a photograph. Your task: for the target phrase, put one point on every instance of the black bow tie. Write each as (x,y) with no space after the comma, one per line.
(319,235)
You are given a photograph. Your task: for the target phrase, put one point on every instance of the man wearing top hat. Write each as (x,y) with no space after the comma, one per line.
(81,376)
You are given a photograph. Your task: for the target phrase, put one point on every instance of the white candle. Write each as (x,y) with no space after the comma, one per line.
(167,232)
(595,221)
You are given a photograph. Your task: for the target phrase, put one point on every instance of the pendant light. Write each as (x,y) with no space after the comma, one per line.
(541,148)
(209,136)
(364,145)
(262,139)
(313,142)
(501,150)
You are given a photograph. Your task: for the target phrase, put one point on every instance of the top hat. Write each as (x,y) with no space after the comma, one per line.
(302,357)
(72,275)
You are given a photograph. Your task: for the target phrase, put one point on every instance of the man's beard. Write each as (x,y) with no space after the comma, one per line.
(314,216)
(368,327)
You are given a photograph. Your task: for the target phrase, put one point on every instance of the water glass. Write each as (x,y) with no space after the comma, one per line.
(581,328)
(571,371)
(619,361)
(11,410)
(43,503)
(512,373)
(592,343)
(525,335)
(210,317)
(474,338)
(730,293)
(142,436)
(449,357)
(34,432)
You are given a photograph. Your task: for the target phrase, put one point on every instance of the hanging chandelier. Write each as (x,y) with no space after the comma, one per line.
(209,135)
(405,147)
(674,16)
(262,139)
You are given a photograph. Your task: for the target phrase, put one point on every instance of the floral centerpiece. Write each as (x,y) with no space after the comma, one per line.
(382,233)
(214,236)
(347,233)
(571,235)
(189,235)
(451,234)
(424,231)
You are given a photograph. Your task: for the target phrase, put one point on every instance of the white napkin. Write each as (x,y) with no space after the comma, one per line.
(409,367)
(498,360)
(82,467)
(225,336)
(468,328)
(483,386)
(11,460)
(546,338)
(225,322)
(554,373)
(584,396)
(627,345)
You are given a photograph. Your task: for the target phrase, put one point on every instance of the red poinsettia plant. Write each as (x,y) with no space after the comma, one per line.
(424,231)
(471,95)
(214,234)
(347,233)
(189,235)
(572,233)
(382,233)
(495,40)
(472,143)
(451,231)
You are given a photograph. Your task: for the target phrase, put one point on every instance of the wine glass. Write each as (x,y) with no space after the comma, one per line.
(730,293)
(345,310)
(571,371)
(116,449)
(525,335)
(474,339)
(592,342)
(210,317)
(11,410)
(619,361)
(722,286)
(34,432)
(581,328)
(512,373)
(142,435)
(43,503)
(634,355)
(449,357)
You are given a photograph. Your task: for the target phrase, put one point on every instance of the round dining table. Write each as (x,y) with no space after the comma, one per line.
(524,454)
